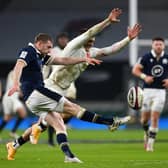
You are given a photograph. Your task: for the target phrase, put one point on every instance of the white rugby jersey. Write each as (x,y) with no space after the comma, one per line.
(63,76)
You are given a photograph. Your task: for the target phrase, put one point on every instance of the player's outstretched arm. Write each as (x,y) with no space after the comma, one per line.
(132,33)
(17,74)
(73,60)
(80,40)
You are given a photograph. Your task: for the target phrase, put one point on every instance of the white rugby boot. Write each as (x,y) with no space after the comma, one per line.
(72,160)
(119,121)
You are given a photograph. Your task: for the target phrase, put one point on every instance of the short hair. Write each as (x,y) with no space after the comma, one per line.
(43,37)
(158,39)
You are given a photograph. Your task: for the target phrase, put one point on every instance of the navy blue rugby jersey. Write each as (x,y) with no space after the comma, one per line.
(156,68)
(31,77)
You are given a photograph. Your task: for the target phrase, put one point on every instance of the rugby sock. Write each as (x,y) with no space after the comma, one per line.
(95,118)
(152,132)
(146,127)
(63,143)
(19,142)
(17,123)
(152,136)
(42,126)
(2,125)
(51,132)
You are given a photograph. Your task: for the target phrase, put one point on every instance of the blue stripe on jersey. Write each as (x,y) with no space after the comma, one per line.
(53,95)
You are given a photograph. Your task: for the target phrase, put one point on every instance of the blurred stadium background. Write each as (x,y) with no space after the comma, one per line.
(102,88)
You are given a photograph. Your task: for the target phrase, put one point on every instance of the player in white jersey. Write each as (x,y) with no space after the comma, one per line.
(12,105)
(82,46)
(61,41)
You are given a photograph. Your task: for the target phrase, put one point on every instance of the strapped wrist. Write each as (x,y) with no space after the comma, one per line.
(143,76)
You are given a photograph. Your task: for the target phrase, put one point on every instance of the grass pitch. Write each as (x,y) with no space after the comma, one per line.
(98,149)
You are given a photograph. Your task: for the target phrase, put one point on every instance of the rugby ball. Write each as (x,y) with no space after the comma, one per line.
(135,97)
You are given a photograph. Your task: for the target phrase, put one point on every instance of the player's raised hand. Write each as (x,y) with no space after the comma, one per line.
(115,13)
(93,61)
(134,32)
(14,89)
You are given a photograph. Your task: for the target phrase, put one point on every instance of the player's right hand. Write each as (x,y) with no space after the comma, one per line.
(14,89)
(115,13)
(149,79)
(93,61)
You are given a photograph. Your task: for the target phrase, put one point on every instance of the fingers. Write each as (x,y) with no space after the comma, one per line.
(137,27)
(93,61)
(115,13)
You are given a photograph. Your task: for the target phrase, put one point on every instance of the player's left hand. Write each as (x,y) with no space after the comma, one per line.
(93,61)
(165,83)
(115,13)
(14,89)
(134,32)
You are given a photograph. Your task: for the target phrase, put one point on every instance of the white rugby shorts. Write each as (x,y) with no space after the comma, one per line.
(41,104)
(154,100)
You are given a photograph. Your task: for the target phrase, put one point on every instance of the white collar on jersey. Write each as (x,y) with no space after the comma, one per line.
(154,54)
(32,45)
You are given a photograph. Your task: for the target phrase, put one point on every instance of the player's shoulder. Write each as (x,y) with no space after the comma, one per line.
(166,55)
(147,55)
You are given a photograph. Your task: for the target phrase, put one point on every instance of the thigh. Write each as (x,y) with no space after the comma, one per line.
(147,100)
(159,99)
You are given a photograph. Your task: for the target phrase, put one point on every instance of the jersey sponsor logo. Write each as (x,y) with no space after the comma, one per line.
(23,54)
(151,60)
(157,71)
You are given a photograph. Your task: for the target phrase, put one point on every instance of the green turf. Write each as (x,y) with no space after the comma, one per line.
(99,155)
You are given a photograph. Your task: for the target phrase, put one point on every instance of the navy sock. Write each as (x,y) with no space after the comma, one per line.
(43,127)
(21,141)
(51,132)
(95,118)
(63,143)
(146,127)
(2,125)
(152,134)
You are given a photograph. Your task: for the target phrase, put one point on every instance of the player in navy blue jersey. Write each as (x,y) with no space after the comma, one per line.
(44,102)
(152,68)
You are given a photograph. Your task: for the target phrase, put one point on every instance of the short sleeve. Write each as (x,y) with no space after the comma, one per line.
(141,61)
(25,56)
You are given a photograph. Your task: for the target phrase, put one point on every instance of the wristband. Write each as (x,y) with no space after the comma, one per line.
(143,76)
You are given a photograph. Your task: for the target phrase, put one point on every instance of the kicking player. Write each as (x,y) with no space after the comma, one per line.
(68,107)
(12,105)
(40,100)
(152,68)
